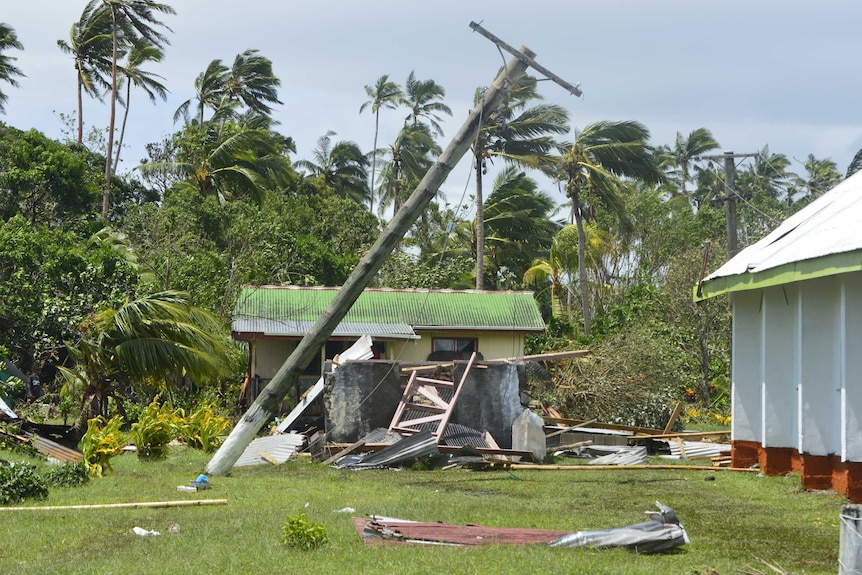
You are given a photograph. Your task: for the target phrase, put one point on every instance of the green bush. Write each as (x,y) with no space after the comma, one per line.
(67,475)
(103,440)
(157,426)
(19,481)
(301,533)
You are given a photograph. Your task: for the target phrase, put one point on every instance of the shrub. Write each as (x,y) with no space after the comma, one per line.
(203,429)
(67,475)
(156,427)
(103,440)
(19,481)
(301,533)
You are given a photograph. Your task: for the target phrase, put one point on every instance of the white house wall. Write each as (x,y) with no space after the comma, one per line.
(797,366)
(746,367)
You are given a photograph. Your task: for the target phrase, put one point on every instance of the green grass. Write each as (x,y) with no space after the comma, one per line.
(732,521)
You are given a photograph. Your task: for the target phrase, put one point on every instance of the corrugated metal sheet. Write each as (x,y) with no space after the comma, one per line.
(697,449)
(288,327)
(267,309)
(279,447)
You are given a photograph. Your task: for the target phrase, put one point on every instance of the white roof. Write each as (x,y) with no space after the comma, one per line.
(831,224)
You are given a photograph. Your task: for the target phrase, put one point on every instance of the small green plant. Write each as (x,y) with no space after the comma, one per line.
(203,429)
(103,440)
(67,475)
(302,533)
(157,426)
(19,481)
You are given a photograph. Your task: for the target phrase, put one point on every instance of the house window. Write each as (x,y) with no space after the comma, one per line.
(464,344)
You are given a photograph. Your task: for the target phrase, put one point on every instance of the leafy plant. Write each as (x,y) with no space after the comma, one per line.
(67,475)
(104,439)
(302,533)
(157,426)
(203,429)
(19,481)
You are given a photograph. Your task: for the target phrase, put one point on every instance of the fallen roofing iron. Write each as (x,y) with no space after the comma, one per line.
(662,532)
(410,448)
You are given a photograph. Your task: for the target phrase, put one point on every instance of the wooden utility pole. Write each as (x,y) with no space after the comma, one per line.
(730,196)
(266,405)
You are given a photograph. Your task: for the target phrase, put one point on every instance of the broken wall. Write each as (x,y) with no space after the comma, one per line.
(359,397)
(490,400)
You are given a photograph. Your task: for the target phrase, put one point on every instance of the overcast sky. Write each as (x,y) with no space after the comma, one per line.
(782,73)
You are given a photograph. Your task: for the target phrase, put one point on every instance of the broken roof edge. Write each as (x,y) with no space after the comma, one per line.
(828,265)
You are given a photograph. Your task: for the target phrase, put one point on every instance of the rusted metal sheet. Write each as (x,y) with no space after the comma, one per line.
(377,531)
(47,447)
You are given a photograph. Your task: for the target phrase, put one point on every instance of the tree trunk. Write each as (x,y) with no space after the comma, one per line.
(480,225)
(374,156)
(106,193)
(80,111)
(266,405)
(583,284)
(123,126)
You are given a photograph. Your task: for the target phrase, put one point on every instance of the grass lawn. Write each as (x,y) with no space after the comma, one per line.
(732,521)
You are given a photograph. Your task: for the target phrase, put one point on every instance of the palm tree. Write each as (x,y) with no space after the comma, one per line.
(141,52)
(592,168)
(229,161)
(250,80)
(422,97)
(820,176)
(341,168)
(384,94)
(518,220)
(90,46)
(128,18)
(8,71)
(153,337)
(209,87)
(685,151)
(410,156)
(519,134)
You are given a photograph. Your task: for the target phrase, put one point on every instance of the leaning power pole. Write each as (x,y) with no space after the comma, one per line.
(266,404)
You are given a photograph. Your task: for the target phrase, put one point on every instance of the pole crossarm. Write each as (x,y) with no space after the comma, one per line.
(527,59)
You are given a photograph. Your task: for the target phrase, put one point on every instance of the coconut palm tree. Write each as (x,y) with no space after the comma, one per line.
(341,168)
(250,80)
(90,46)
(141,52)
(209,88)
(409,157)
(8,71)
(384,94)
(520,134)
(518,218)
(153,337)
(229,161)
(422,98)
(679,159)
(129,18)
(592,169)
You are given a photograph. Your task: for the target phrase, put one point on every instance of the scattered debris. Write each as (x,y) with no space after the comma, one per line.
(275,449)
(345,510)
(141,532)
(144,504)
(618,455)
(662,532)
(408,449)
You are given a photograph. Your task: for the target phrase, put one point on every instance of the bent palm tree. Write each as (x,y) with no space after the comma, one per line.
(410,156)
(140,53)
(128,18)
(519,134)
(209,88)
(90,46)
(250,80)
(592,169)
(8,71)
(384,94)
(684,152)
(154,337)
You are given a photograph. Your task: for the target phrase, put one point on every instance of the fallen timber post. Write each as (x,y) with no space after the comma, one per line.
(266,405)
(141,505)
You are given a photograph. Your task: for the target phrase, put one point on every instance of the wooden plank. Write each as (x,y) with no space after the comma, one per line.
(681,434)
(674,416)
(532,466)
(349,449)
(570,446)
(144,504)
(268,457)
(613,426)
(572,428)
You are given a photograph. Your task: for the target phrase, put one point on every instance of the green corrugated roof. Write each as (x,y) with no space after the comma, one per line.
(453,309)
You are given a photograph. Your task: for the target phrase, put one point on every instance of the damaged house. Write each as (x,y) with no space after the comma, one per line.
(408,327)
(796,298)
